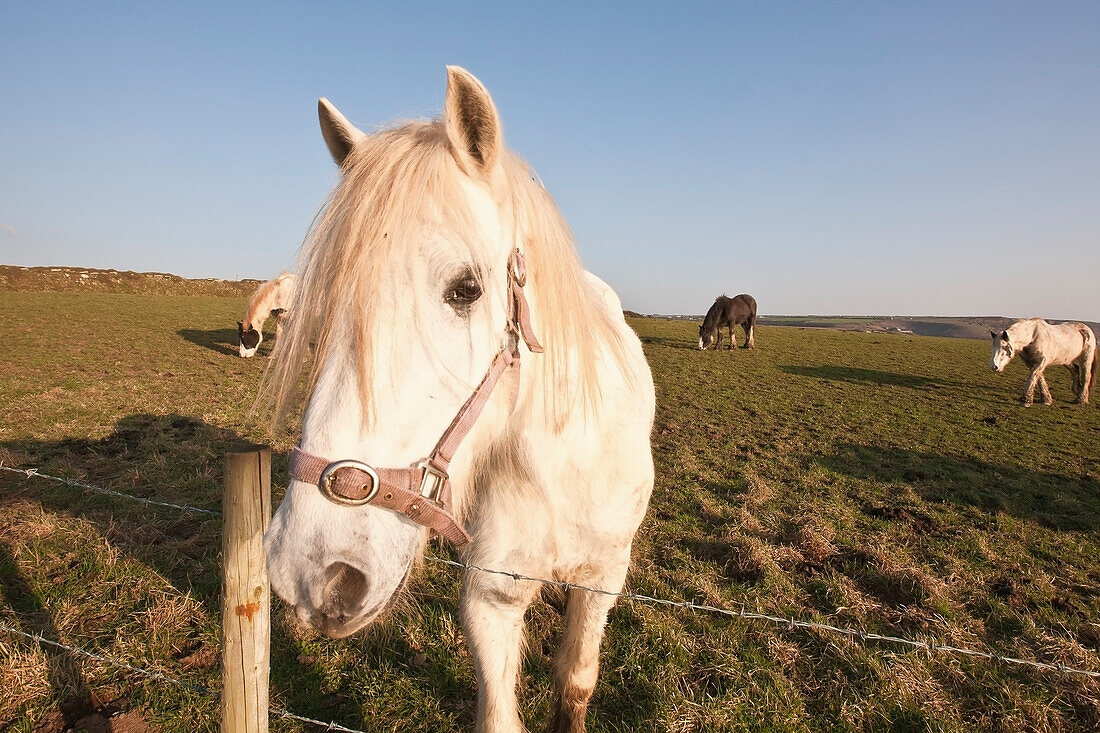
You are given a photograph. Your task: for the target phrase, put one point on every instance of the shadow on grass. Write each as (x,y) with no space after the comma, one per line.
(169,458)
(1054,500)
(872,376)
(221,340)
(672,343)
(309,685)
(179,459)
(65,676)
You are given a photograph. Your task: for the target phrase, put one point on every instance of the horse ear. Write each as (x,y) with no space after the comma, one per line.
(992,333)
(1004,335)
(340,135)
(471,121)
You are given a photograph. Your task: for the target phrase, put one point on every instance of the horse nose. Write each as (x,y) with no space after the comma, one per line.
(344,595)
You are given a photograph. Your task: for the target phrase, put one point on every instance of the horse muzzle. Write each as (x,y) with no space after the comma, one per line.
(344,607)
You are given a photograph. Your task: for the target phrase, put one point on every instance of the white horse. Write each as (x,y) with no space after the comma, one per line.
(412,288)
(1040,345)
(273,298)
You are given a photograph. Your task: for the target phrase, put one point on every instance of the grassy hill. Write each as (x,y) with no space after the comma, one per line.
(91,280)
(882,482)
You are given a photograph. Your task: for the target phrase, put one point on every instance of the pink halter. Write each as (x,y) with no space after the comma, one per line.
(423,492)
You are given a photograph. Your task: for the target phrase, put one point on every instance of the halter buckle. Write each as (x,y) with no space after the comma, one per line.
(327,482)
(432,480)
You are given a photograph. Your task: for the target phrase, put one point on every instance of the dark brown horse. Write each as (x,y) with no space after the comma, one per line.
(729,312)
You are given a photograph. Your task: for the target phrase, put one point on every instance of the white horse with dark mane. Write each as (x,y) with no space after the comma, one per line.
(436,264)
(272,299)
(1040,345)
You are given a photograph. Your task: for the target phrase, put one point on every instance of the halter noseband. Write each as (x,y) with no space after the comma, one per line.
(423,492)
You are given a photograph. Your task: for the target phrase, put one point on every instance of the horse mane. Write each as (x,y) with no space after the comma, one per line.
(569,316)
(369,219)
(714,313)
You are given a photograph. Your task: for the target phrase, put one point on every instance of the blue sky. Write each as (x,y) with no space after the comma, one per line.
(933,158)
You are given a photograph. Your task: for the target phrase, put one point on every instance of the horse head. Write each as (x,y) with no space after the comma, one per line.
(1002,351)
(248,339)
(706,335)
(405,290)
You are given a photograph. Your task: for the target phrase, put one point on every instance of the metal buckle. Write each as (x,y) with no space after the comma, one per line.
(431,483)
(328,479)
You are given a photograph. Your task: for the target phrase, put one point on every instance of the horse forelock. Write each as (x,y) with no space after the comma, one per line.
(392,182)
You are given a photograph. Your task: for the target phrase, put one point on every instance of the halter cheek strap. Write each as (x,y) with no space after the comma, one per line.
(423,492)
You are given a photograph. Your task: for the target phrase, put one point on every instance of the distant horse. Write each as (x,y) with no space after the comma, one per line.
(1040,345)
(270,299)
(415,285)
(726,311)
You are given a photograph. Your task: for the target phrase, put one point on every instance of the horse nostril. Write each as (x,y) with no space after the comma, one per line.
(345,592)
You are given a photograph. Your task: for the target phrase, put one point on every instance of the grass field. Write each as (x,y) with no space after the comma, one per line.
(884,482)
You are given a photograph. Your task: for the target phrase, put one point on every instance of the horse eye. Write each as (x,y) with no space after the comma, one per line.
(462,292)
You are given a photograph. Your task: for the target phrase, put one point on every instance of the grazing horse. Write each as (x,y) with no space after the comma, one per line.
(270,299)
(726,311)
(1040,345)
(435,266)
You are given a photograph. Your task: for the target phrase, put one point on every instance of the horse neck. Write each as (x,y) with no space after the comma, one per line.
(710,320)
(1023,333)
(261,304)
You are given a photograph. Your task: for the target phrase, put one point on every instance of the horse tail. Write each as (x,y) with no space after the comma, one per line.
(750,325)
(1095,362)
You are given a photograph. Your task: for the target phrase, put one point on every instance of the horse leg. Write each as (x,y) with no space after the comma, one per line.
(1075,372)
(491,610)
(1029,388)
(1044,390)
(733,342)
(1088,374)
(578,659)
(750,335)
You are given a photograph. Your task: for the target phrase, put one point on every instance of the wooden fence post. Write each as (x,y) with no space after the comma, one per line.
(246,598)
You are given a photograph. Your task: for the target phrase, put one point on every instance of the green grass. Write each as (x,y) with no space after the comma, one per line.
(884,482)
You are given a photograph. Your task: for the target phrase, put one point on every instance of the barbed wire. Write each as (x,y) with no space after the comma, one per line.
(161,677)
(931,647)
(864,636)
(34,472)
(107,660)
